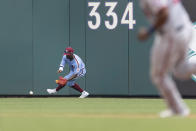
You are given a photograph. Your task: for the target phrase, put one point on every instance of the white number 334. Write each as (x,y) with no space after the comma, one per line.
(110,13)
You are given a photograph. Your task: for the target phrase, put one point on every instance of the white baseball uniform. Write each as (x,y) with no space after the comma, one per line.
(169,49)
(192,50)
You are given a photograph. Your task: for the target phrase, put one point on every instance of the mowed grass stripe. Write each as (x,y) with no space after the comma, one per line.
(64,115)
(92,114)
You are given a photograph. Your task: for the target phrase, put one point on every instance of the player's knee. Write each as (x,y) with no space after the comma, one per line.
(70,84)
(157,78)
(182,72)
(182,75)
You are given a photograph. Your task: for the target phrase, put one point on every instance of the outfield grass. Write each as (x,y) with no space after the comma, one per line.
(91,114)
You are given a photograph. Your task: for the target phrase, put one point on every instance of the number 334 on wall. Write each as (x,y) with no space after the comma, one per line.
(110,13)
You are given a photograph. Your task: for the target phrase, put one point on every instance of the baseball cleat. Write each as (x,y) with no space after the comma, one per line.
(169,113)
(84,94)
(166,113)
(185,113)
(51,91)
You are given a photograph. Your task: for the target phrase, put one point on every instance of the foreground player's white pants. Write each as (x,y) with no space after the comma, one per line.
(169,55)
(192,59)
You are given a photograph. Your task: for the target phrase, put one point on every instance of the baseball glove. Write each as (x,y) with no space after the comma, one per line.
(62,81)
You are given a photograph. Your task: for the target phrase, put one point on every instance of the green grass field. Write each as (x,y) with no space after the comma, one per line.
(91,114)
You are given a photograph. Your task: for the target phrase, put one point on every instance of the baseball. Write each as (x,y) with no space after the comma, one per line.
(31,92)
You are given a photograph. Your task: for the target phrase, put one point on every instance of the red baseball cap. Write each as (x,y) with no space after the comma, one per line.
(69,51)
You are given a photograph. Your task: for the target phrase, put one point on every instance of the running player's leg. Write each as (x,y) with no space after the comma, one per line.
(186,67)
(162,60)
(192,58)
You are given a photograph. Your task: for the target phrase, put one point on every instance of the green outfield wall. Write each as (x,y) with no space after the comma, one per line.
(34,34)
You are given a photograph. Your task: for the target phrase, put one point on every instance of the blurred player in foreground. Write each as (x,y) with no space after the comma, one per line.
(77,69)
(192,51)
(174,32)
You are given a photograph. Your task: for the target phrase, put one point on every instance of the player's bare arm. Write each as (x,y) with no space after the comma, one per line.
(161,19)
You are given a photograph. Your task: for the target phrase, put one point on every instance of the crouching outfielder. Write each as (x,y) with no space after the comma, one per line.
(77,70)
